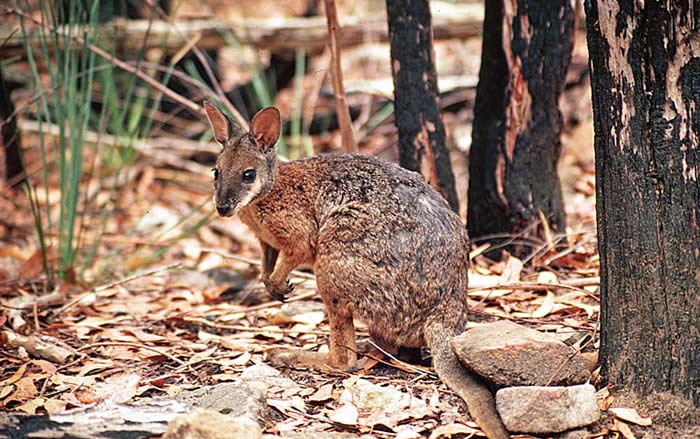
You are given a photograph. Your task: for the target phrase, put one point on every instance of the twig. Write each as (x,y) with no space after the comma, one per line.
(251,261)
(312,97)
(253,329)
(157,148)
(133,345)
(538,286)
(100,288)
(403,363)
(568,359)
(341,105)
(294,298)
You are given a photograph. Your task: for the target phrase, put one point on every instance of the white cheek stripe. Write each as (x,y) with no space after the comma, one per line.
(252,193)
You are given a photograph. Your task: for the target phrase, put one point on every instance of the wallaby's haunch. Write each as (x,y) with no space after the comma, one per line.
(384,246)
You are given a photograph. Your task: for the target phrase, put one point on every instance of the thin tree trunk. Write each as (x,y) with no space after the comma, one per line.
(645,77)
(341,104)
(11,166)
(517,124)
(421,131)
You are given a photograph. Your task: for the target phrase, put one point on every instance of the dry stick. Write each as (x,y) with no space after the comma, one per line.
(133,345)
(341,105)
(312,98)
(114,284)
(567,360)
(254,330)
(146,147)
(403,363)
(250,261)
(296,298)
(538,286)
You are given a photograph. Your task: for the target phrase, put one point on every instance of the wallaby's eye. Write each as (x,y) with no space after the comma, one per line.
(248,176)
(216,173)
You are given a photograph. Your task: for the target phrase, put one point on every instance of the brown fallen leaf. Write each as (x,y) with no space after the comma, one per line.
(118,388)
(19,373)
(452,429)
(34,265)
(630,415)
(346,414)
(624,429)
(30,407)
(546,308)
(144,336)
(324,393)
(53,406)
(24,390)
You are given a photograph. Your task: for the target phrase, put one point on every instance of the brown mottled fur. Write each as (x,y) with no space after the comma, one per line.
(384,245)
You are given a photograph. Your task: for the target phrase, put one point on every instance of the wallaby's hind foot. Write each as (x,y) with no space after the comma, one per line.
(302,359)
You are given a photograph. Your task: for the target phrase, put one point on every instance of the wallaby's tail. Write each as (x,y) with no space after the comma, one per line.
(480,401)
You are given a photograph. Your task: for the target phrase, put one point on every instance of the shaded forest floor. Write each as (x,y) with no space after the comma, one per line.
(173,303)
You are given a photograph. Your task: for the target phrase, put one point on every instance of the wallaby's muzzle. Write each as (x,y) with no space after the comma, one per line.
(224,208)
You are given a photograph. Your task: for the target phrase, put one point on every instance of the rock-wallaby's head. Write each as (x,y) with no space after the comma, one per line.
(245,168)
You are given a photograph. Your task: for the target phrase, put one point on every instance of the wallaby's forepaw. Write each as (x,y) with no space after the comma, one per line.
(278,291)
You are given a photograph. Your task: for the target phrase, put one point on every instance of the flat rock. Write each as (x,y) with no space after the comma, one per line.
(541,410)
(507,354)
(233,399)
(209,424)
(265,374)
(579,433)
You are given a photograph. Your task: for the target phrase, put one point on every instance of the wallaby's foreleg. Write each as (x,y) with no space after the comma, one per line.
(276,283)
(269,259)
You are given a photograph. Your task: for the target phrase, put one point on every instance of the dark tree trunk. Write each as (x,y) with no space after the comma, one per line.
(11,167)
(515,141)
(421,132)
(645,77)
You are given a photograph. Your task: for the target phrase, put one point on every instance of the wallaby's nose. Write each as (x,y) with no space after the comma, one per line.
(224,208)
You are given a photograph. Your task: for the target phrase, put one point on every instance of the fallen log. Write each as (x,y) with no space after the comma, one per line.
(310,33)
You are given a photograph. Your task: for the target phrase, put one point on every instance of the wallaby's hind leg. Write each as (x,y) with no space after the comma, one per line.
(341,343)
(342,351)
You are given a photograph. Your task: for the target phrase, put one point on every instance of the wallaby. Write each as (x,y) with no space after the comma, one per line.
(384,246)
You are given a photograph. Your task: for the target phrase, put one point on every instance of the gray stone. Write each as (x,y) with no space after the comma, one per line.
(265,374)
(232,399)
(579,433)
(540,410)
(508,354)
(209,424)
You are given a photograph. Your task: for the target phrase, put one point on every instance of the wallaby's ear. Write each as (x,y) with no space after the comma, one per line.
(266,127)
(219,122)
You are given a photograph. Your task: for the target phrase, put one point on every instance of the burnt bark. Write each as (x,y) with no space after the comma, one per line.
(422,145)
(11,168)
(645,78)
(526,50)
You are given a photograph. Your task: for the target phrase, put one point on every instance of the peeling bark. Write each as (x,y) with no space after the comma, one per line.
(515,142)
(645,76)
(422,145)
